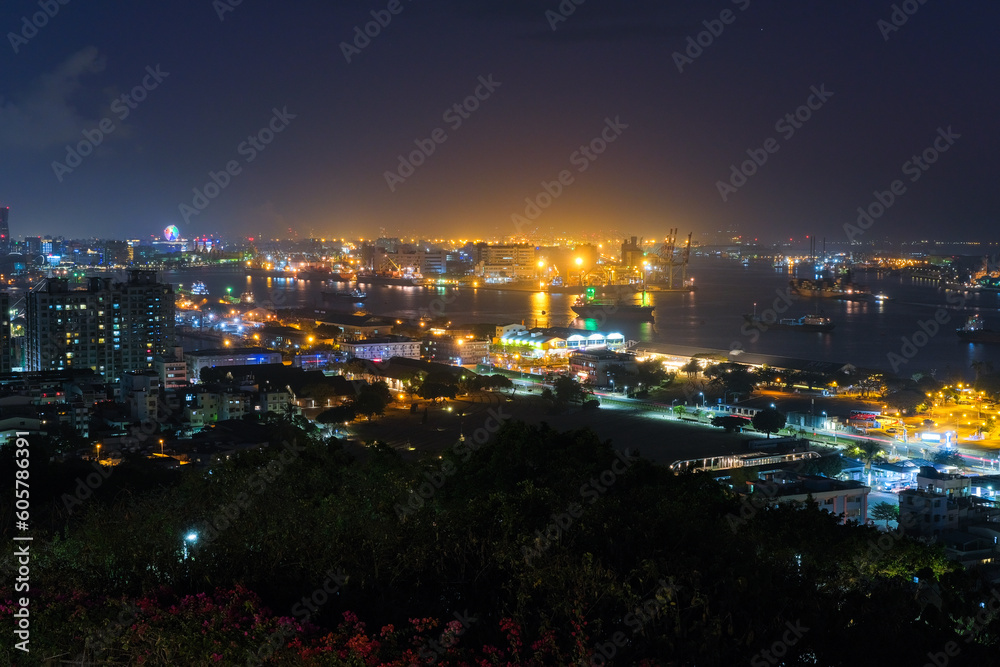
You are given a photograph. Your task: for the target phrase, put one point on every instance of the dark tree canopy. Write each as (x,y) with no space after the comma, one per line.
(769,421)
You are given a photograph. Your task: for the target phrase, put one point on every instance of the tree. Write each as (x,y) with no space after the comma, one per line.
(321,392)
(735,378)
(730,423)
(492,382)
(766,375)
(337,415)
(691,368)
(432,391)
(621,377)
(906,401)
(372,400)
(884,512)
(769,421)
(949,459)
(360,367)
(869,451)
(568,390)
(651,373)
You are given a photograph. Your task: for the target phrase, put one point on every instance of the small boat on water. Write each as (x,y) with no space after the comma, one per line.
(808,323)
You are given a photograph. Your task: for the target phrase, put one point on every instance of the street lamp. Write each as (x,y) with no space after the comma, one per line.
(702,394)
(579,264)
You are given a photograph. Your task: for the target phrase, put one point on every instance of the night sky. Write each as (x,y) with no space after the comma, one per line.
(324,172)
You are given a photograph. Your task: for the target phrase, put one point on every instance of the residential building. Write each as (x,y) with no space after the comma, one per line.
(456,350)
(109,327)
(172,369)
(6,350)
(845,499)
(377,349)
(5,245)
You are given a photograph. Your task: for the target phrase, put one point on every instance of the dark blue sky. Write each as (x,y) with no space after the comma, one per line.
(324,174)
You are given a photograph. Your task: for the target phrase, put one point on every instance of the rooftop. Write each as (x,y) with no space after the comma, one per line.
(230,351)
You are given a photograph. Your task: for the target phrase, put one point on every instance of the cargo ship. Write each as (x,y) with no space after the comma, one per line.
(589,307)
(975,331)
(808,323)
(841,289)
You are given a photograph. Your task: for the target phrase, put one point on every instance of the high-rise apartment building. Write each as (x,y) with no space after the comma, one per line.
(110,327)
(4,230)
(5,340)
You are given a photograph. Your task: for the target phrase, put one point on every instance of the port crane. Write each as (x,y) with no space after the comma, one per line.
(669,260)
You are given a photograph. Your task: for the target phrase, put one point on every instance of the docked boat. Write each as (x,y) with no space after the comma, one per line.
(840,289)
(197,289)
(380,279)
(611,309)
(807,323)
(975,331)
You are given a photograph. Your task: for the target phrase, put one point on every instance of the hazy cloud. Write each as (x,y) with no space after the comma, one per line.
(44,115)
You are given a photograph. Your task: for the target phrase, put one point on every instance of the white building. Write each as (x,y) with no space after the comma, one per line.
(847,500)
(377,349)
